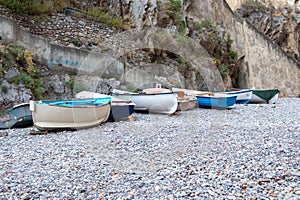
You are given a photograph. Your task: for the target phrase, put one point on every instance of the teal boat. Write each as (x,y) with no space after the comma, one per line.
(18,116)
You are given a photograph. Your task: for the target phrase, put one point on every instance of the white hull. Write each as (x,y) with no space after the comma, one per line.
(165,103)
(190,92)
(257,99)
(243,96)
(55,117)
(114,100)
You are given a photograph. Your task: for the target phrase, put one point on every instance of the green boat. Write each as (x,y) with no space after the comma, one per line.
(264,96)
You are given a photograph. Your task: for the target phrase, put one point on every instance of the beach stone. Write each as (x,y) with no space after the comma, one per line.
(157,156)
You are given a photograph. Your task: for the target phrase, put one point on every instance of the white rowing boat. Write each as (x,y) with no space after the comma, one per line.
(162,101)
(74,114)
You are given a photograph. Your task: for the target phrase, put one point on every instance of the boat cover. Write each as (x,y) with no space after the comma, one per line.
(266,94)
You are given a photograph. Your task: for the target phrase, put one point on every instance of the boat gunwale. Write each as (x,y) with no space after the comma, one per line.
(80,126)
(83,106)
(217,97)
(238,92)
(143,94)
(19,105)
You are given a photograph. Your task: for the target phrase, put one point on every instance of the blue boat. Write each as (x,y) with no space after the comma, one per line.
(207,101)
(18,116)
(243,95)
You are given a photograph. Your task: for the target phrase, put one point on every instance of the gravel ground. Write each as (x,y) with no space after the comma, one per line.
(248,152)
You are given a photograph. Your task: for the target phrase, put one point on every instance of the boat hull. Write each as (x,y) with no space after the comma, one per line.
(120,109)
(186,104)
(265,96)
(49,117)
(164,103)
(243,96)
(216,102)
(18,117)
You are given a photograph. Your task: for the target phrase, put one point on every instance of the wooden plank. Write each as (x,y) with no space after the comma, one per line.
(38,132)
(131,118)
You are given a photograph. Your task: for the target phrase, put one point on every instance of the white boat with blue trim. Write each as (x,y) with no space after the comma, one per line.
(152,100)
(243,96)
(73,114)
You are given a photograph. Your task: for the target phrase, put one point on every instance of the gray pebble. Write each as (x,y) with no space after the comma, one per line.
(200,154)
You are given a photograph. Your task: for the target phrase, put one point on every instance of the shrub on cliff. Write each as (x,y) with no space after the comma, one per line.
(14,55)
(33,7)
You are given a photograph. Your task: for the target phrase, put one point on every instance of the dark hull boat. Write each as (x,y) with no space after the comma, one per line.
(120,109)
(18,116)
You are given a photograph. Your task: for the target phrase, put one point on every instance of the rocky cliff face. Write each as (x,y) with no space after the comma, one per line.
(265,65)
(234,4)
(279,24)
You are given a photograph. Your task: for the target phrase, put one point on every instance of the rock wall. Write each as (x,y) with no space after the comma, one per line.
(266,65)
(234,4)
(105,62)
(53,54)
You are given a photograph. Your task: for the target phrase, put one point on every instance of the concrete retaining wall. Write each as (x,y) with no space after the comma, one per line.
(266,65)
(53,54)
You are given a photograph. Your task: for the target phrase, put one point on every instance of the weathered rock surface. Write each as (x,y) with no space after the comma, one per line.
(14,95)
(280,24)
(265,64)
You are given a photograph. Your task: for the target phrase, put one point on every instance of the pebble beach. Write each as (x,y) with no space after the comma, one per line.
(248,152)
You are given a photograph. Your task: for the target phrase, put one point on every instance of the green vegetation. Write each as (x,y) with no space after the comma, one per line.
(33,7)
(218,44)
(45,7)
(21,55)
(29,74)
(183,64)
(78,87)
(69,83)
(4,89)
(104,17)
(223,70)
(6,63)
(180,60)
(175,12)
(296,56)
(207,23)
(76,42)
(131,88)
(32,82)
(75,86)
(184,40)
